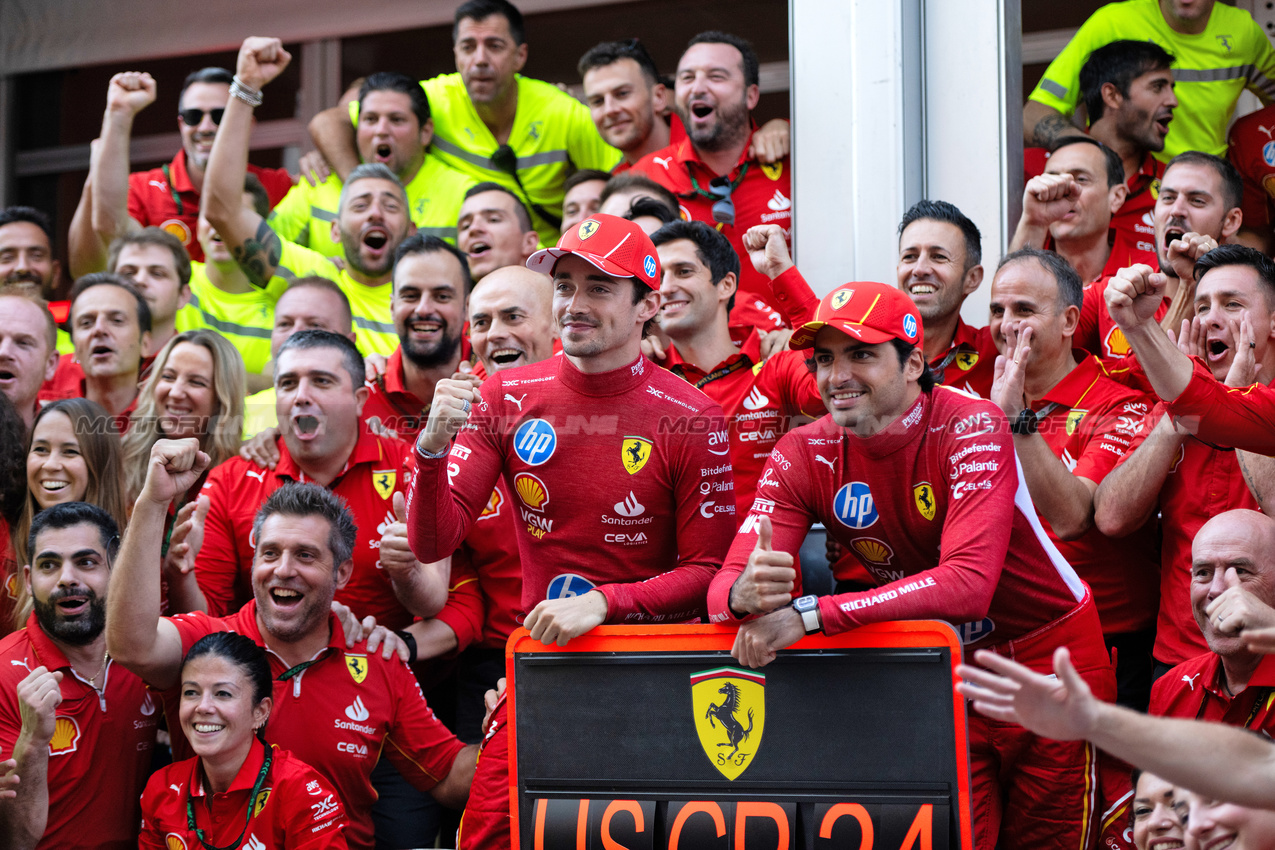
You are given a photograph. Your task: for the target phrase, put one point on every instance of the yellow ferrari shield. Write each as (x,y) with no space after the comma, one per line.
(588,227)
(384,480)
(839,300)
(730,714)
(261,802)
(635,452)
(357,665)
(773,170)
(1073,420)
(923,495)
(966,360)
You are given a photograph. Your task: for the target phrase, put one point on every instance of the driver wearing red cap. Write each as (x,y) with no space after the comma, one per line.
(921,482)
(604,454)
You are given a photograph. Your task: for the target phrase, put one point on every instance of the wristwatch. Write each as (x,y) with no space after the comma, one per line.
(1025,424)
(808,608)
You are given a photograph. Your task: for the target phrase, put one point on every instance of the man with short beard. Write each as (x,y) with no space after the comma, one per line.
(372,218)
(80,726)
(431,280)
(26,249)
(711,170)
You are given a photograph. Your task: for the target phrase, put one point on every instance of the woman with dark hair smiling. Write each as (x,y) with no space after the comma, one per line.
(238,791)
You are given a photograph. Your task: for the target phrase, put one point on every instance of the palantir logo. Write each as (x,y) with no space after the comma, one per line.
(357,711)
(630,507)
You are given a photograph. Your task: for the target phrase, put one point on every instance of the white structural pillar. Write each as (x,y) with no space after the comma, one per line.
(892,103)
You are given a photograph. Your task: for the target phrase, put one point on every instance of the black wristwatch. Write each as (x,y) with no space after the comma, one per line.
(808,608)
(1025,423)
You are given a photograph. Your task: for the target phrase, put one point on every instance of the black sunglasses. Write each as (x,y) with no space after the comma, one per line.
(193,117)
(723,207)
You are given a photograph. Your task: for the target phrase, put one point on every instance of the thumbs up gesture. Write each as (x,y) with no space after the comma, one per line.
(767,581)
(396,555)
(1235,609)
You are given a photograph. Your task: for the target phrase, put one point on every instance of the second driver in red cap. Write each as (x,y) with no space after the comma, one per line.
(922,483)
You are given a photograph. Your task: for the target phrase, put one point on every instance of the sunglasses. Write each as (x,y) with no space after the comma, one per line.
(723,207)
(193,117)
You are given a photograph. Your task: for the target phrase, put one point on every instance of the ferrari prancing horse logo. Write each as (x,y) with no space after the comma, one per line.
(635,451)
(730,730)
(357,665)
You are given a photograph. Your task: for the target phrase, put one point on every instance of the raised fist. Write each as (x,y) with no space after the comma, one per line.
(130,92)
(261,59)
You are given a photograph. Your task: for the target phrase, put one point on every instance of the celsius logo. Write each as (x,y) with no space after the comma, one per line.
(534,441)
(630,507)
(357,711)
(755,400)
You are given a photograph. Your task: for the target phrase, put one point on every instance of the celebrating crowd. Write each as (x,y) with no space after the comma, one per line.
(301,453)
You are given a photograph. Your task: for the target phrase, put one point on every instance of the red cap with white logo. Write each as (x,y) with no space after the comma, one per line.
(614,246)
(867,311)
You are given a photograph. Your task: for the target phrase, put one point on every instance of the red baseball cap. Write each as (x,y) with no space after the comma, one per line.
(869,312)
(613,245)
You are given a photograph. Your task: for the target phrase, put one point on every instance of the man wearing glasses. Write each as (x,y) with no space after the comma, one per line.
(713,171)
(166,197)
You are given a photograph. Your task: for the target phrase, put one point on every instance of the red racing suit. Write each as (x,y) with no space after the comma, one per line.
(939,509)
(1229,417)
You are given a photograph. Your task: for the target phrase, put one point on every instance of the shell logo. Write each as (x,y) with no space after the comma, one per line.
(175,841)
(12,584)
(531,490)
(493,505)
(1117,345)
(177,228)
(872,551)
(66,736)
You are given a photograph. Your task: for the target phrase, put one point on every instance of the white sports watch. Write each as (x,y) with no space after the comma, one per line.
(808,608)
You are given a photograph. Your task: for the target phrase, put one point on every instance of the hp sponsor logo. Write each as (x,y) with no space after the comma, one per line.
(534,441)
(568,585)
(854,506)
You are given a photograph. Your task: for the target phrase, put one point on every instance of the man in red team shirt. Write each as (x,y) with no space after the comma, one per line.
(713,171)
(927,477)
(431,279)
(319,394)
(1232,590)
(1070,209)
(1186,479)
(632,547)
(80,726)
(1197,209)
(761,398)
(337,708)
(167,197)
(1076,423)
(1251,149)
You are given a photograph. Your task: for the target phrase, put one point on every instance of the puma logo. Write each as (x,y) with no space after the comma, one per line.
(160,185)
(823,459)
(176,788)
(662,160)
(1190,680)
(518,401)
(260,476)
(1265,130)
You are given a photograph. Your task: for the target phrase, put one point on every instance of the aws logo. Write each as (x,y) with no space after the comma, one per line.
(730,716)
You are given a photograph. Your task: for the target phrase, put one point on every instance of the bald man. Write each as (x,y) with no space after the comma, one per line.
(511,319)
(1232,590)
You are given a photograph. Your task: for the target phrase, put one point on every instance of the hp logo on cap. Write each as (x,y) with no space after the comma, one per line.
(909,325)
(648,265)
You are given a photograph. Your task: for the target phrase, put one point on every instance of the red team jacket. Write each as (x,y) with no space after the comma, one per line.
(298,809)
(237,488)
(100,754)
(604,471)
(1096,332)
(1195,690)
(1240,418)
(341,713)
(761,194)
(915,501)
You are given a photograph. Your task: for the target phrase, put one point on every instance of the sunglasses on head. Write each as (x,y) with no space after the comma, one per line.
(193,117)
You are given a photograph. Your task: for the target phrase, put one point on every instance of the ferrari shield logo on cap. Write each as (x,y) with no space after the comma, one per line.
(357,665)
(923,495)
(384,480)
(635,452)
(730,715)
(839,300)
(588,227)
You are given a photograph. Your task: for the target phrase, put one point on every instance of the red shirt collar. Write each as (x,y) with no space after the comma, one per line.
(178,176)
(746,341)
(50,654)
(1077,383)
(684,152)
(1152,169)
(244,780)
(366,450)
(394,380)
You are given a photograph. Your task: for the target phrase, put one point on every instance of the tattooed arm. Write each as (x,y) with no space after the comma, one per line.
(253,244)
(1043,125)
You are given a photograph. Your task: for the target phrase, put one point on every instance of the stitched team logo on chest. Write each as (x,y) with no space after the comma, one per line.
(1073,420)
(261,802)
(357,665)
(923,495)
(966,360)
(635,452)
(384,480)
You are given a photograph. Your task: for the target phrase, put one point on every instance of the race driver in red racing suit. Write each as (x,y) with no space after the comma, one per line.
(926,480)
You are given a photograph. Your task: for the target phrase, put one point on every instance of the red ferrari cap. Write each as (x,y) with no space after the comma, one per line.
(868,311)
(613,245)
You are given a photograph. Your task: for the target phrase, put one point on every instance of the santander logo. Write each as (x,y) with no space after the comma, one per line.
(630,507)
(357,711)
(756,400)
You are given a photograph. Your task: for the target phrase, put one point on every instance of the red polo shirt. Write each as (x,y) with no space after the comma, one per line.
(298,808)
(100,754)
(761,194)
(1091,422)
(1202,483)
(1096,332)
(1252,151)
(1195,690)
(393,403)
(69,381)
(760,400)
(375,471)
(166,198)
(339,714)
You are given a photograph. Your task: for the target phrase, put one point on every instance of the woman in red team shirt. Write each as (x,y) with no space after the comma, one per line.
(238,791)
